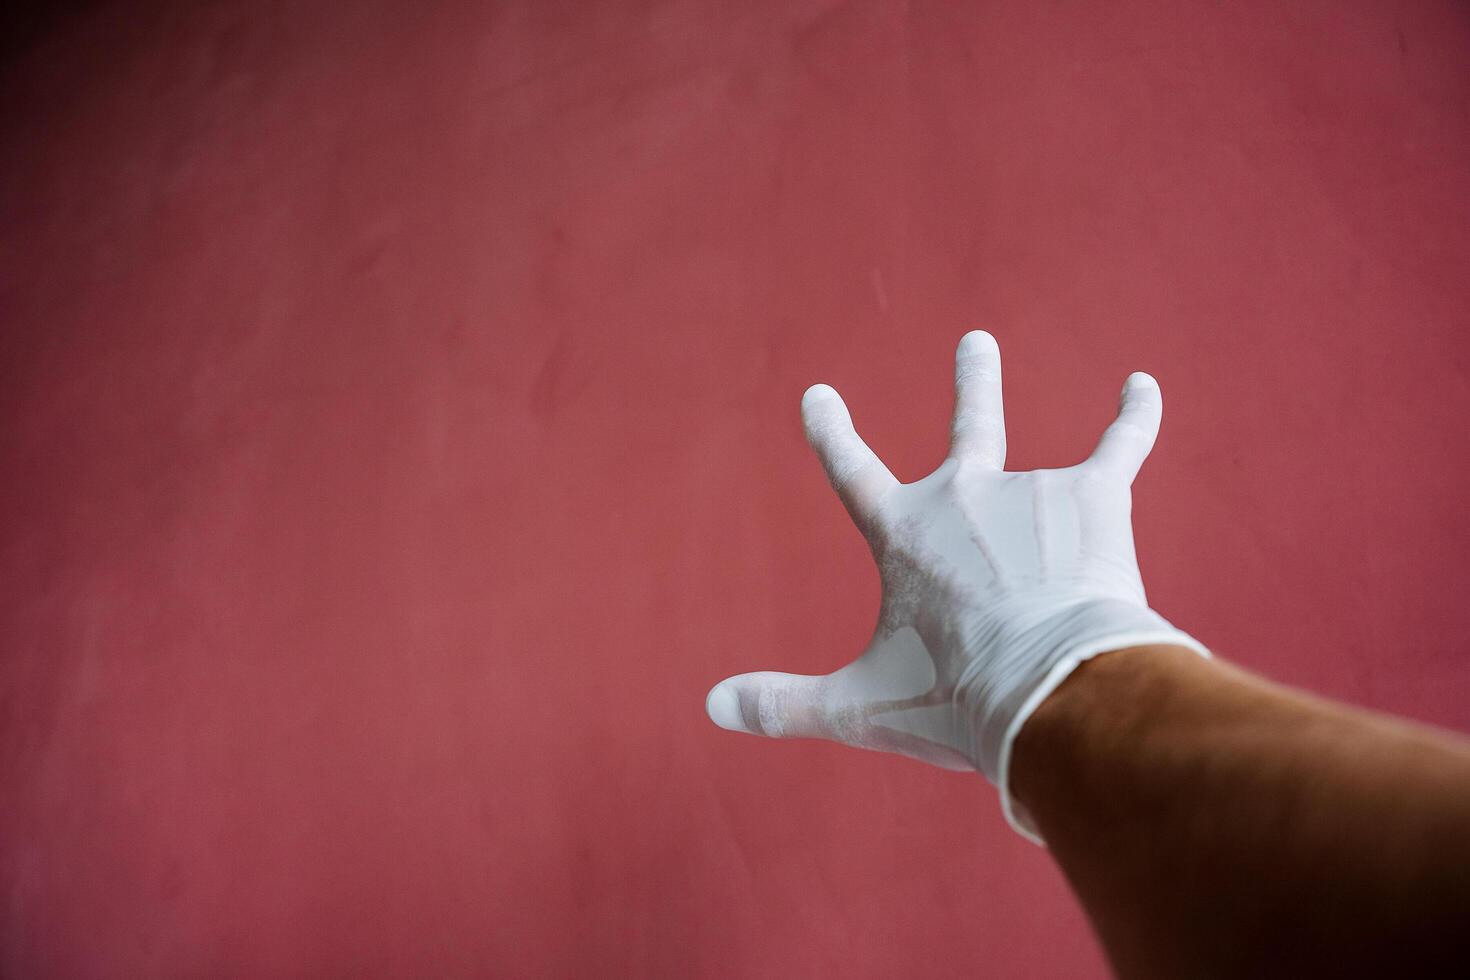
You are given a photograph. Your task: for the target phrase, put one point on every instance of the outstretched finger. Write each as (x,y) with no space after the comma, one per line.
(979,429)
(858,476)
(773,704)
(1126,443)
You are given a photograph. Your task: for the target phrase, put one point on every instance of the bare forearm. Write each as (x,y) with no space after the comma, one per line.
(1213,823)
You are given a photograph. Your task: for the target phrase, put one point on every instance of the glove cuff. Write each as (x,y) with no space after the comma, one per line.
(1081,633)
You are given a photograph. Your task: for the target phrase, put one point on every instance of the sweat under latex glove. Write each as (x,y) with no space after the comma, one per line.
(996,585)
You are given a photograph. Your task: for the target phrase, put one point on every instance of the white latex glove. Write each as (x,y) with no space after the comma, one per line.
(996,585)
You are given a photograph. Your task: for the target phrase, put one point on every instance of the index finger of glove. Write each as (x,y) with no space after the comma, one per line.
(857,474)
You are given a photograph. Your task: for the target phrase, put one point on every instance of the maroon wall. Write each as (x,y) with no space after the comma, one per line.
(400,426)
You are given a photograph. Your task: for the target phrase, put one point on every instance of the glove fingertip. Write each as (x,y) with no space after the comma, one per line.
(723,706)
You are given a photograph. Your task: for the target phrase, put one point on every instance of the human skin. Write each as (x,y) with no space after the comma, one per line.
(1215,824)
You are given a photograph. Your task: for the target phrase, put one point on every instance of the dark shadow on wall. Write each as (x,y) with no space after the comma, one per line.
(25,22)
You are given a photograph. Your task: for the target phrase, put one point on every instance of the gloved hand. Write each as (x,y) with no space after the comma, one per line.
(996,585)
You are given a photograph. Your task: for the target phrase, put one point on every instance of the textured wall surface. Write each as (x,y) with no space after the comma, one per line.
(399,413)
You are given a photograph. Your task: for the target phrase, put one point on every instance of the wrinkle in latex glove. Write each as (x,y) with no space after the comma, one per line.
(995,585)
